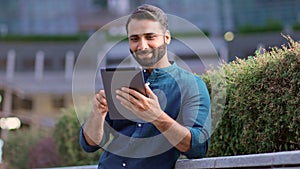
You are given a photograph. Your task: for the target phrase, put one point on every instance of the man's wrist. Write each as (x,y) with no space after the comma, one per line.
(163,122)
(98,113)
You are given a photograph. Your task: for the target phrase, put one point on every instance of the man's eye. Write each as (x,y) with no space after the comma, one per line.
(151,37)
(134,39)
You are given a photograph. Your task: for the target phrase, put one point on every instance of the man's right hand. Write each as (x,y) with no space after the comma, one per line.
(100,103)
(93,128)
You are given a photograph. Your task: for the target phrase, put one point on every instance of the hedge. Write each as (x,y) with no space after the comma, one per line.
(66,137)
(44,38)
(22,149)
(296,27)
(40,147)
(261,112)
(269,26)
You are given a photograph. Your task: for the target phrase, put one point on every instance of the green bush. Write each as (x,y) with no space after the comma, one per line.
(44,38)
(296,27)
(18,146)
(38,147)
(270,26)
(66,136)
(261,112)
(44,154)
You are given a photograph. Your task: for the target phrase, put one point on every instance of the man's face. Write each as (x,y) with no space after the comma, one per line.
(147,41)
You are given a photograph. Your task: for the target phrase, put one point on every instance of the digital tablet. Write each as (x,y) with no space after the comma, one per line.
(115,78)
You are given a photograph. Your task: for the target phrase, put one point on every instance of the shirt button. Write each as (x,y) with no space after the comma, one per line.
(124,164)
(139,125)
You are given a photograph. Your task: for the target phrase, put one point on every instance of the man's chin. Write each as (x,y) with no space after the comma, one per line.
(146,64)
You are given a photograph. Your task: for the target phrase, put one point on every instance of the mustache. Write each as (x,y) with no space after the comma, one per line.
(143,52)
(146,51)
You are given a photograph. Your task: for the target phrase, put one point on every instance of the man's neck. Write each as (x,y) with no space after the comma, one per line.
(164,62)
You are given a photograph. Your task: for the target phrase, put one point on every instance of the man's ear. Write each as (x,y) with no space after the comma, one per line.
(168,37)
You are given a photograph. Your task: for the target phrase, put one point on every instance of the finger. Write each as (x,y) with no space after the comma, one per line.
(101,99)
(124,101)
(97,104)
(130,106)
(124,95)
(137,95)
(101,103)
(102,93)
(149,92)
(129,100)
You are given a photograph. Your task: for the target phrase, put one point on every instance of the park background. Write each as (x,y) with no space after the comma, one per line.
(41,40)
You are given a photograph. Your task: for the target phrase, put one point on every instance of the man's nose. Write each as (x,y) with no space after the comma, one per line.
(143,44)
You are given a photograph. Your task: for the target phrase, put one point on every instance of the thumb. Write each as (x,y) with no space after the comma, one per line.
(149,92)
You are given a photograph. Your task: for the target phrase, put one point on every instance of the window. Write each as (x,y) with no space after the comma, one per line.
(58,102)
(48,64)
(21,103)
(27,64)
(2,63)
(26,104)
(101,3)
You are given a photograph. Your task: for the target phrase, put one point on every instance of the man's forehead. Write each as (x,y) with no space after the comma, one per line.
(142,27)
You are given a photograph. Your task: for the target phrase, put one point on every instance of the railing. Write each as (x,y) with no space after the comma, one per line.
(288,159)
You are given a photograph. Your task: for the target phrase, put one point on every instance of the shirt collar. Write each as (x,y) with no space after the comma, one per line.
(161,71)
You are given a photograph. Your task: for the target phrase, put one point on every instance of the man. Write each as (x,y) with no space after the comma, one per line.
(175,111)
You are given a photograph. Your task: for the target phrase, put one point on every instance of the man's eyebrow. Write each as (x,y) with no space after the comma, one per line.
(150,33)
(133,36)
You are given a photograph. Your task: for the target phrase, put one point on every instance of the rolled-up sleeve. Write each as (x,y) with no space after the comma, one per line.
(200,143)
(84,145)
(197,118)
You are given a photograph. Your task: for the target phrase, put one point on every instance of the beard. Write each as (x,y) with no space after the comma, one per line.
(157,54)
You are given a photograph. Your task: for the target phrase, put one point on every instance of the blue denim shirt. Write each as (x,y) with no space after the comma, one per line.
(185,98)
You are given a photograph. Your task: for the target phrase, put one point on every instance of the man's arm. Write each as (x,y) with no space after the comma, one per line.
(178,135)
(148,109)
(93,129)
(192,138)
(196,116)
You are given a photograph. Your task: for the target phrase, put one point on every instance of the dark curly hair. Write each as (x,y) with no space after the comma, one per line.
(150,12)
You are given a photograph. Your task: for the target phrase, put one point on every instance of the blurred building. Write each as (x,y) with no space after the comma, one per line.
(35,77)
(38,17)
(36,80)
(73,16)
(52,17)
(260,12)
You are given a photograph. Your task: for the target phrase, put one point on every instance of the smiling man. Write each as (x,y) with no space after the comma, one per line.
(176,111)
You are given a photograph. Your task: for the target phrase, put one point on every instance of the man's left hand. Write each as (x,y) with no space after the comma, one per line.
(146,108)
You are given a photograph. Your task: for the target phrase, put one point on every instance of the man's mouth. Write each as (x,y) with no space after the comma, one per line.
(143,54)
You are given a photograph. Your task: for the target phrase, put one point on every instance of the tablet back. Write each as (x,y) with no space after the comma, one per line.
(115,78)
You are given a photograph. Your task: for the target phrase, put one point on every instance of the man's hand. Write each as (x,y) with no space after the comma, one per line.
(93,128)
(100,103)
(146,108)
